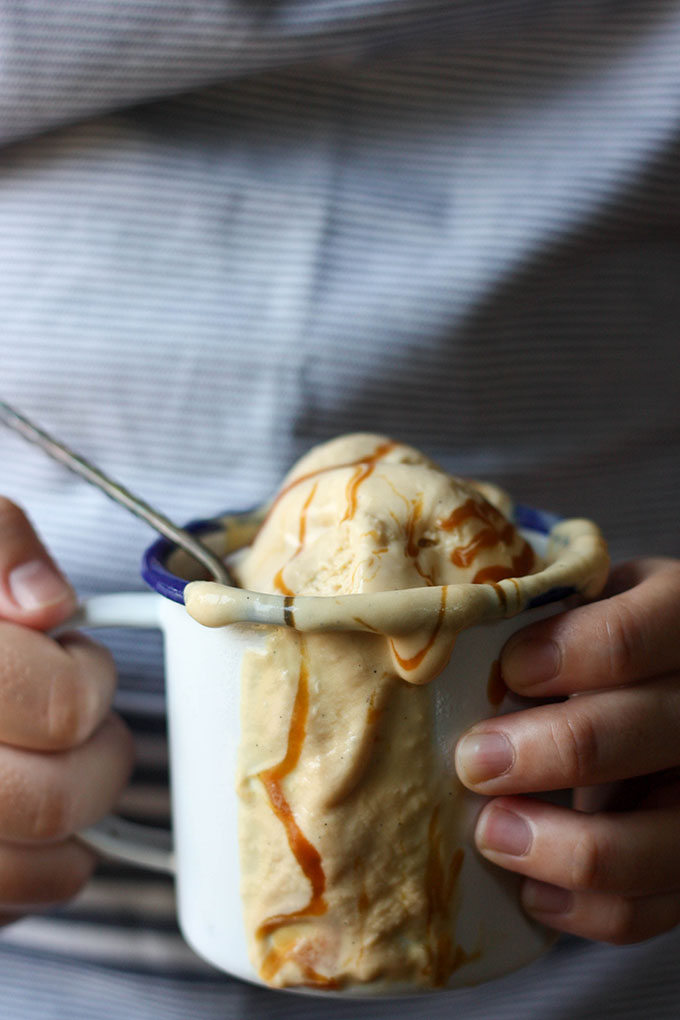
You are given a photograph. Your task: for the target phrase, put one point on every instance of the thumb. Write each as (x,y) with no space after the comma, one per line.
(33,591)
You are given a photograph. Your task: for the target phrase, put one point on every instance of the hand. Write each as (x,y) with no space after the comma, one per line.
(611,874)
(64,757)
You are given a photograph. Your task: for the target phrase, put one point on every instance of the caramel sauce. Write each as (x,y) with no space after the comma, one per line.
(444,955)
(496,531)
(495,687)
(297,949)
(364,468)
(366,626)
(370,460)
(360,475)
(412,547)
(415,660)
(521,564)
(279,583)
(487,538)
(306,855)
(475,509)
(374,712)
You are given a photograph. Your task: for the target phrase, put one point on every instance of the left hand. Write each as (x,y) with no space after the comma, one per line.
(611,874)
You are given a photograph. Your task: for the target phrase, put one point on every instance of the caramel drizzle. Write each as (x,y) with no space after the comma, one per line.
(415,660)
(440,883)
(413,547)
(371,459)
(496,531)
(364,468)
(279,583)
(306,855)
(521,564)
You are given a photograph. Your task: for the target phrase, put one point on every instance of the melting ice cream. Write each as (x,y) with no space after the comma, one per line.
(349,825)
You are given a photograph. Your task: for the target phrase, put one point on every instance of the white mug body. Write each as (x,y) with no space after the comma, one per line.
(203,676)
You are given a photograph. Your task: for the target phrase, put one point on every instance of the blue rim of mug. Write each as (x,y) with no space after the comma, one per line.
(157,575)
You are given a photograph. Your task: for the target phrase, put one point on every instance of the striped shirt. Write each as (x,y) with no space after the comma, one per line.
(232,230)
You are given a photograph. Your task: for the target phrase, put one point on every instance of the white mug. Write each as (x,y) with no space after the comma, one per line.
(203,669)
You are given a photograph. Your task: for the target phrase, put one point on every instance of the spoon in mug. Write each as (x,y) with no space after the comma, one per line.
(115,491)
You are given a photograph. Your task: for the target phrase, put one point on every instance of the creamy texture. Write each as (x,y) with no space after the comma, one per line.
(365,514)
(349,824)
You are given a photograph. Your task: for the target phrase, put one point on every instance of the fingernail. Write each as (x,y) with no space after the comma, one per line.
(483,756)
(527,662)
(505,832)
(36,584)
(542,898)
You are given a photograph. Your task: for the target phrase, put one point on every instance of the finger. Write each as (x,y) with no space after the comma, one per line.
(604,917)
(33,591)
(630,573)
(633,853)
(592,738)
(630,636)
(47,797)
(40,876)
(53,695)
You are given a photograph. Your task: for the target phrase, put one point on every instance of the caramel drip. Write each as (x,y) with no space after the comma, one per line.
(496,531)
(366,626)
(476,509)
(495,687)
(374,712)
(296,949)
(306,855)
(279,583)
(521,564)
(444,955)
(502,597)
(415,660)
(487,538)
(364,468)
(413,547)
(360,475)
(371,459)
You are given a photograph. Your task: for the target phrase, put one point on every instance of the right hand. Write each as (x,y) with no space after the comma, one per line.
(64,757)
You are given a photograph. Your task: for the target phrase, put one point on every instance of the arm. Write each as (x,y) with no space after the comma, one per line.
(611,874)
(63,756)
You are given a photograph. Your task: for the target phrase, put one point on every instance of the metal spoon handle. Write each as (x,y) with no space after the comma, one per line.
(114,490)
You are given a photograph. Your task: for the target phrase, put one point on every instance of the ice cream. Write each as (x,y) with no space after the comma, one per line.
(363,514)
(349,826)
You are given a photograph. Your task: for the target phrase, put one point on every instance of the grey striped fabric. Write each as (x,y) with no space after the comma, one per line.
(229,230)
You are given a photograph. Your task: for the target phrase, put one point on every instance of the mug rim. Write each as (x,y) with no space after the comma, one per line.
(157,575)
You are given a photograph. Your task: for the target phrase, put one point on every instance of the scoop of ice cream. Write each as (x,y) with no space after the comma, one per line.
(362,513)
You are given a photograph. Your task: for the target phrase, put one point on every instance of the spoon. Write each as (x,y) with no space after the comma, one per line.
(115,491)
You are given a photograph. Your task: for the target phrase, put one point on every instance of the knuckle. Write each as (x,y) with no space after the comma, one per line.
(76,694)
(590,865)
(620,922)
(69,710)
(124,744)
(51,818)
(623,637)
(575,742)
